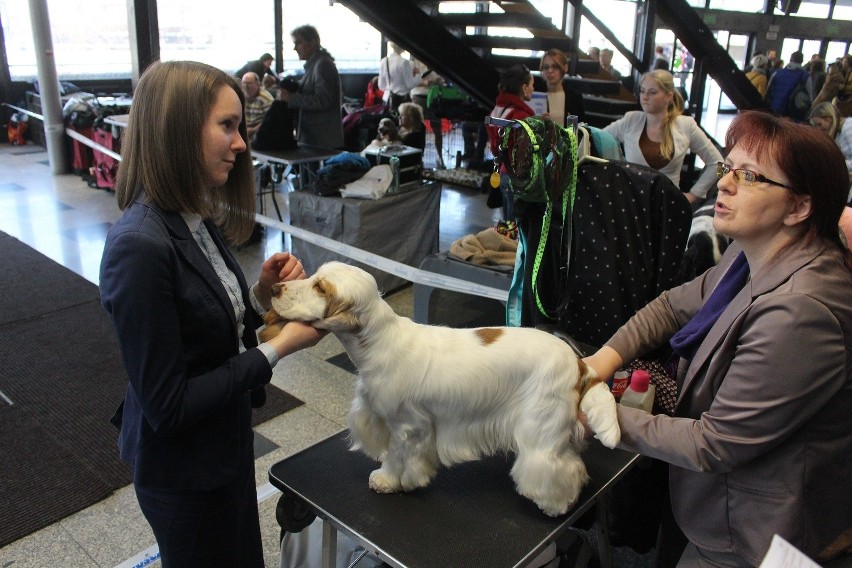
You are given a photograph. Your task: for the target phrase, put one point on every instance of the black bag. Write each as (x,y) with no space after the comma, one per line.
(396,100)
(277,131)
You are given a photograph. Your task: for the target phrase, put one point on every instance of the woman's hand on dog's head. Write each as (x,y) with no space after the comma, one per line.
(280,267)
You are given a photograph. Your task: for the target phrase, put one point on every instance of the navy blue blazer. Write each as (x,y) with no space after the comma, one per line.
(186,419)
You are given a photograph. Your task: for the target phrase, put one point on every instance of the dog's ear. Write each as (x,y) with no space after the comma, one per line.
(339,315)
(271,317)
(274,325)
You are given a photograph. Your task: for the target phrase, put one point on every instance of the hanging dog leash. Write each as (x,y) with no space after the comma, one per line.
(541,160)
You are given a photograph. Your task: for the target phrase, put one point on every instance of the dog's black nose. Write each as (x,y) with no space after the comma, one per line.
(276,289)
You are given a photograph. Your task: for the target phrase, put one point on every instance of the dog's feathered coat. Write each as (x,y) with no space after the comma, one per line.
(429,395)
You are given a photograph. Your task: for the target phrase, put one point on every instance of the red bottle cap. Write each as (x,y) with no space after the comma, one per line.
(639,380)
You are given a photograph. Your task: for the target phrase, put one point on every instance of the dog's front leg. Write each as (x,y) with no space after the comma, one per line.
(601,414)
(412,457)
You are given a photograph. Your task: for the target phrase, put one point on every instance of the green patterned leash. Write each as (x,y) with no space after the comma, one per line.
(537,171)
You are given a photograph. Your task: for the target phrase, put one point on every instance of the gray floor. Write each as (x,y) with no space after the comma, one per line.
(66,220)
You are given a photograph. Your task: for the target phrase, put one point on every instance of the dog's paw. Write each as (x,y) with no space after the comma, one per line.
(555,509)
(602,415)
(611,437)
(382,482)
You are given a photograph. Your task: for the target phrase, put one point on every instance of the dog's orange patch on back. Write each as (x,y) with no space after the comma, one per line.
(488,335)
(585,380)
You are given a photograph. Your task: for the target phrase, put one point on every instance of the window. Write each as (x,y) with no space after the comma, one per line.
(751,6)
(88,41)
(813,10)
(620,17)
(836,50)
(216,33)
(355,45)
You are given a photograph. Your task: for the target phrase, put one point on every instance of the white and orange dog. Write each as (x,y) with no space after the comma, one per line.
(429,395)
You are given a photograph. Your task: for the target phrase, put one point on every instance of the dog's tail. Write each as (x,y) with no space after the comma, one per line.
(597,402)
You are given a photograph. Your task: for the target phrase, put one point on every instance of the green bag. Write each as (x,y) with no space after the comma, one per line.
(439,94)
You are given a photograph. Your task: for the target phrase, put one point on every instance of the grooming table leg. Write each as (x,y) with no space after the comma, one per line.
(329,545)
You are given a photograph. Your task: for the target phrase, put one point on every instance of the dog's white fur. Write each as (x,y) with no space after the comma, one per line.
(429,395)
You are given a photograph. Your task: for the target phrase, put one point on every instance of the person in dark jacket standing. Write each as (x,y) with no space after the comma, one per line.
(318,98)
(186,319)
(782,86)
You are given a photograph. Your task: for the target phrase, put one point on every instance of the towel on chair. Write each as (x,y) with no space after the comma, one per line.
(486,248)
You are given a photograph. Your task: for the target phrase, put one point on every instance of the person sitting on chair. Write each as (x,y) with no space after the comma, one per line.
(258,101)
(411,128)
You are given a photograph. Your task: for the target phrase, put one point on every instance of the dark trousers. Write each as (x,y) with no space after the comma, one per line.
(219,527)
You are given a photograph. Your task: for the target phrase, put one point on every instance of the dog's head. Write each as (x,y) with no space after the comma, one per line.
(334,298)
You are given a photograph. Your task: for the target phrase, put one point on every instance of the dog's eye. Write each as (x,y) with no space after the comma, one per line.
(318,286)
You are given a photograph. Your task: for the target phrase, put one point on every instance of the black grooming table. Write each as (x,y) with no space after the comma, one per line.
(470,515)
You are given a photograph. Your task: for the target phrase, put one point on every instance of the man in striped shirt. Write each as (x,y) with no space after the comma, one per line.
(258,101)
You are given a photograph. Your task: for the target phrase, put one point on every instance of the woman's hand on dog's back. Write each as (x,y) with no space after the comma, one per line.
(605,362)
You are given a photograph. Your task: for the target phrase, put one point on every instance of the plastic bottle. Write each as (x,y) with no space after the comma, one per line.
(640,392)
(619,384)
(394,165)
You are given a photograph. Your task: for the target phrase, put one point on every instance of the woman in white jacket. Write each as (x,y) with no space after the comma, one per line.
(659,136)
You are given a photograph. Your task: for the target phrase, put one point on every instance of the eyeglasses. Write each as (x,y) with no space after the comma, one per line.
(745,177)
(547,67)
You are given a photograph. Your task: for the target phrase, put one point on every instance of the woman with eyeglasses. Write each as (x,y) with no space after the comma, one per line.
(659,135)
(760,439)
(561,100)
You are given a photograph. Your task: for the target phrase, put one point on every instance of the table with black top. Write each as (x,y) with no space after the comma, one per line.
(281,163)
(470,515)
(302,154)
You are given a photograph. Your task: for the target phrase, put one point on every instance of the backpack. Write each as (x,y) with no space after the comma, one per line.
(17,129)
(277,131)
(788,93)
(799,102)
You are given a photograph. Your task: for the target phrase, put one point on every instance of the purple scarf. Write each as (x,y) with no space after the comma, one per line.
(687,340)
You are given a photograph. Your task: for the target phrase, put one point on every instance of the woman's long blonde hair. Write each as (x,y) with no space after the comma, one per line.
(162,149)
(665,81)
(828,110)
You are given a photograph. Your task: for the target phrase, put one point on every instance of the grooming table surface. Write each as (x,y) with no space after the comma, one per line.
(470,515)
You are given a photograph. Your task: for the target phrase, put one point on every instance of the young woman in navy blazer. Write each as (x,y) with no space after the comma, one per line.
(185,317)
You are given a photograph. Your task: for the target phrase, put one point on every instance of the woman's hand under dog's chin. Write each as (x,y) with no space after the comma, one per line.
(294,336)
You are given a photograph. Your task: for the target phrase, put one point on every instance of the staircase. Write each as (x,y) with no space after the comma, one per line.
(443,42)
(459,47)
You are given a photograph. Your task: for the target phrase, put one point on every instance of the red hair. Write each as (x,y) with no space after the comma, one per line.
(809,158)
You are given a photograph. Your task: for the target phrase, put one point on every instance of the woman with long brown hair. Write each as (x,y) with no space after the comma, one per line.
(185,317)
